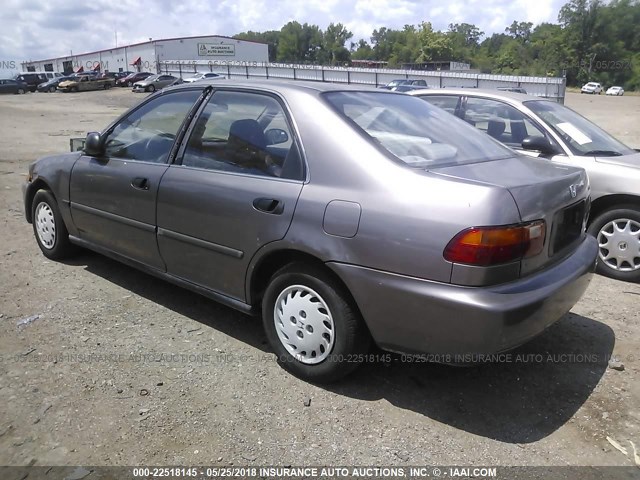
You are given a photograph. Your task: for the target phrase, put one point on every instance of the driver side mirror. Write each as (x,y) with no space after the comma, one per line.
(540,144)
(276,136)
(93,145)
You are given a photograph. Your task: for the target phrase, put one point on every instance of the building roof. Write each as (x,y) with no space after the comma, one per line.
(143,43)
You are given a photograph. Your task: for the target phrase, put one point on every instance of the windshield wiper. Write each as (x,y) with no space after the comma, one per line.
(603,153)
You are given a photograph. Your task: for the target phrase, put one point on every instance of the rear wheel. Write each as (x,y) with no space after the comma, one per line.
(618,233)
(49,228)
(312,326)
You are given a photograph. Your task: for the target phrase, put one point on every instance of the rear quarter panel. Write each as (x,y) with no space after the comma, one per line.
(407,215)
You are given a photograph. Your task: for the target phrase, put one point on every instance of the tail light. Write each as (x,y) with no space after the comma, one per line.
(486,246)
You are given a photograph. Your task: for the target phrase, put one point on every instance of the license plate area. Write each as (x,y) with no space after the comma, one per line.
(568,225)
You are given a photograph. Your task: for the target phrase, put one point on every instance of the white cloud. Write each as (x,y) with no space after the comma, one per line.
(37,29)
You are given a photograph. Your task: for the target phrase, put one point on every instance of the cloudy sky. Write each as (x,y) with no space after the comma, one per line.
(38,29)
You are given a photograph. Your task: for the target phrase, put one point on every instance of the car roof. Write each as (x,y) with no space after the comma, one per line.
(479,92)
(284,86)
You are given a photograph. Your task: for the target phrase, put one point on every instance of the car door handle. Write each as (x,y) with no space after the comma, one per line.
(269,205)
(140,183)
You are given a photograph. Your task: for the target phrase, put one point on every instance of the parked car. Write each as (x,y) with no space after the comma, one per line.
(541,127)
(85,83)
(395,83)
(31,79)
(406,88)
(513,89)
(618,91)
(432,237)
(591,87)
(132,78)
(9,85)
(52,85)
(203,76)
(153,83)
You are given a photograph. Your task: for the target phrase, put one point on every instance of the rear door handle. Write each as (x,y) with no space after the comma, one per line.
(140,183)
(269,205)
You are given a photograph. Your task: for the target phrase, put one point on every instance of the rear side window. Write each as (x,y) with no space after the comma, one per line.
(445,102)
(413,131)
(500,120)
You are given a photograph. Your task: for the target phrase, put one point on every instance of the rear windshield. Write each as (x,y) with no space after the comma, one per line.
(412,130)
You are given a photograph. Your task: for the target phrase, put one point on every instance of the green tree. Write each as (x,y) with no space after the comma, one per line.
(434,45)
(270,38)
(361,50)
(334,39)
(465,40)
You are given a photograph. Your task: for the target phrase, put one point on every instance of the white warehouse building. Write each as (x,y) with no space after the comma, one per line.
(147,56)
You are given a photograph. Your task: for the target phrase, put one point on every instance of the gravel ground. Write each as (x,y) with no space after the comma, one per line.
(103,365)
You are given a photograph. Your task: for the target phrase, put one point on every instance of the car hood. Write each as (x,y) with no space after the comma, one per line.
(632,160)
(66,83)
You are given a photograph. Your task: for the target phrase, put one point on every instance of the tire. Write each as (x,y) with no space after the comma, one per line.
(326,318)
(150,88)
(619,229)
(52,89)
(75,89)
(129,84)
(21,91)
(49,228)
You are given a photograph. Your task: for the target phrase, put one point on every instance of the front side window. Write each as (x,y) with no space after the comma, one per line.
(149,132)
(581,136)
(244,132)
(500,120)
(414,131)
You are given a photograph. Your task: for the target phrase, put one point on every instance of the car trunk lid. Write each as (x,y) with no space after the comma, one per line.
(557,194)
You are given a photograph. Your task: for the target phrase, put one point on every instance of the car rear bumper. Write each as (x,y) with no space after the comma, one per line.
(412,315)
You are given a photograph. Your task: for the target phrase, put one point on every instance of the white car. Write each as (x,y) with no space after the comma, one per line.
(615,91)
(203,76)
(591,87)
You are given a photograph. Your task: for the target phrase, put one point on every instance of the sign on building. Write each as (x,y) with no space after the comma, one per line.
(215,49)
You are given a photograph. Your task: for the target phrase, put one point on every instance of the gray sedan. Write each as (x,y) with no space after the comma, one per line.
(153,83)
(540,127)
(344,216)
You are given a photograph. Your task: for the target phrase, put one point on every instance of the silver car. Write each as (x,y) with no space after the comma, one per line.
(544,128)
(342,215)
(153,83)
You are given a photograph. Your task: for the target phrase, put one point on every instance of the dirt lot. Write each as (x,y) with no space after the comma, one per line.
(122,369)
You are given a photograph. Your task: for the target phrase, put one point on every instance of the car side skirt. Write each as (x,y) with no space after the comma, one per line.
(211,294)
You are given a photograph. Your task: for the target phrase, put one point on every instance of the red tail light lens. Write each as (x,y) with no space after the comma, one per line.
(486,246)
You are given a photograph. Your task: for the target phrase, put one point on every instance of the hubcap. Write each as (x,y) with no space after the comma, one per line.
(619,242)
(304,324)
(45,225)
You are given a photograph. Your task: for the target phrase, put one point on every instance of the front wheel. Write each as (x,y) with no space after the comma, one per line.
(52,89)
(49,228)
(21,91)
(618,233)
(311,324)
(151,88)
